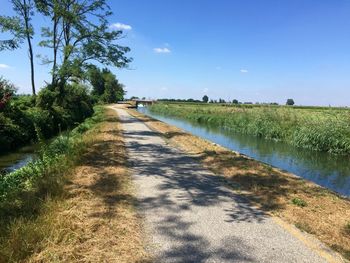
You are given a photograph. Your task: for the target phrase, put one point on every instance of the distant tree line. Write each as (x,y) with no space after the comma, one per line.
(206,99)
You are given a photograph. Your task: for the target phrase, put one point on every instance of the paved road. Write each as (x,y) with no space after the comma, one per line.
(191,217)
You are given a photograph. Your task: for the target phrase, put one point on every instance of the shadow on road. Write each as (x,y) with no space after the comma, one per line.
(195,187)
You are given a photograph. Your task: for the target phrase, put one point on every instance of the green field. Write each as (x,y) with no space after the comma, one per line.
(317,128)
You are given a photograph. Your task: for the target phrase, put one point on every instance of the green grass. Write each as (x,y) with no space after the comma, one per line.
(316,128)
(299,202)
(26,192)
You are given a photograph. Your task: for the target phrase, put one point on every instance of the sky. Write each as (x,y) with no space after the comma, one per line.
(250,50)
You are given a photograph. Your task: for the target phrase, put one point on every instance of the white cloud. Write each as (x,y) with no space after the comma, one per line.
(205,90)
(120,26)
(244,71)
(161,50)
(2,66)
(163,88)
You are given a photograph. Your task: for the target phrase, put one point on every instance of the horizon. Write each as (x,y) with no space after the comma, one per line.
(244,50)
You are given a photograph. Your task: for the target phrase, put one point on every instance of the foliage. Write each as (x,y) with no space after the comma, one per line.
(79,33)
(7,90)
(13,26)
(105,85)
(205,99)
(321,129)
(290,102)
(22,121)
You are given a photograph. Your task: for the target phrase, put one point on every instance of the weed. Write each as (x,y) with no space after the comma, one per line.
(299,202)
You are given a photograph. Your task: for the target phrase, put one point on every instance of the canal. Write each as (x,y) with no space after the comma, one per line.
(12,161)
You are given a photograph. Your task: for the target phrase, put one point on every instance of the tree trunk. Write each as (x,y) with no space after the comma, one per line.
(55,47)
(28,35)
(31,64)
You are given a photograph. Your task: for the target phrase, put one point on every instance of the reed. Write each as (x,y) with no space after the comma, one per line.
(321,129)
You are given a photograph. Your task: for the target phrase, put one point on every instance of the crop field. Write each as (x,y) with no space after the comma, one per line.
(318,128)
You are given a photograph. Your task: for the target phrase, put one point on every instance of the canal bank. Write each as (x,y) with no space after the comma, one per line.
(307,206)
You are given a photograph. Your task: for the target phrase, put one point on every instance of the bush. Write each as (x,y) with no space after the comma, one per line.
(41,176)
(24,119)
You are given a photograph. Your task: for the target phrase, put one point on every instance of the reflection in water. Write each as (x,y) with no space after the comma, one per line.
(325,169)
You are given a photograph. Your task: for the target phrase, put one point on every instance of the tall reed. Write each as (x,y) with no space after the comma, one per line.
(318,129)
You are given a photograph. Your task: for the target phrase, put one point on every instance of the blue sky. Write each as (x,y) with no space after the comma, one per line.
(250,50)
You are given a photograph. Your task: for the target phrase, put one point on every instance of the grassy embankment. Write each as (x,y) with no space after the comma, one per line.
(321,129)
(296,201)
(76,203)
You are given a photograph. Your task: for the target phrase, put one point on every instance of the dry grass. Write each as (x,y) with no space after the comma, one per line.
(95,219)
(316,210)
(98,220)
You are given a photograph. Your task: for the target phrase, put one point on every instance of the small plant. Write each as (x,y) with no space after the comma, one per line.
(299,202)
(347,228)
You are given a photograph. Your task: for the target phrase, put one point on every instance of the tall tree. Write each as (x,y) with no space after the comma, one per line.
(105,85)
(20,28)
(96,79)
(80,33)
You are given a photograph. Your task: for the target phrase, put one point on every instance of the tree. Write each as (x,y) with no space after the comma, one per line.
(79,33)
(234,101)
(114,91)
(96,79)
(205,98)
(105,85)
(20,28)
(290,102)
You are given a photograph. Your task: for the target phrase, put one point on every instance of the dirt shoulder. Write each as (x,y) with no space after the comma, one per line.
(303,204)
(96,221)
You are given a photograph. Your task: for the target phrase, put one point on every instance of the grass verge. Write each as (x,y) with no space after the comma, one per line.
(75,205)
(299,202)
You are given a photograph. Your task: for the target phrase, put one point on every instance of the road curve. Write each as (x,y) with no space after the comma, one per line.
(191,216)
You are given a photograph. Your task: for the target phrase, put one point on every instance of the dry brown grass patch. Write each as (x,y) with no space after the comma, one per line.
(96,220)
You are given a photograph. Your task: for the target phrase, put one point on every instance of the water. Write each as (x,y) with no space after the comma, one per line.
(19,158)
(327,170)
